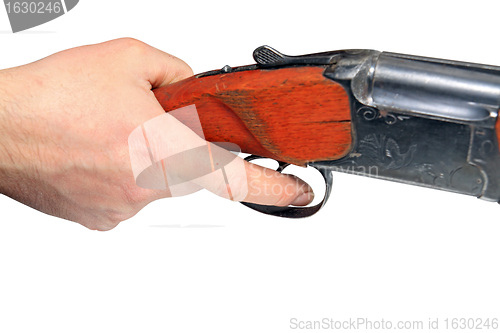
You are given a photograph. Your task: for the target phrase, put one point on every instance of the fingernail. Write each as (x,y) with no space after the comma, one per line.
(303,199)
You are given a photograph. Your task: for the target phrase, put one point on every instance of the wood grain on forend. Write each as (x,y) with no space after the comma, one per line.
(293,115)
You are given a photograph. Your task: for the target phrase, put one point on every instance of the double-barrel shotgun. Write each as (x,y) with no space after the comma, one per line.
(410,119)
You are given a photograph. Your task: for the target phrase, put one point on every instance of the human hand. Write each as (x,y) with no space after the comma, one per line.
(65,121)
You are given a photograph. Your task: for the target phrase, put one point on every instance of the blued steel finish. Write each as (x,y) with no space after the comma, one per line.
(431,87)
(422,121)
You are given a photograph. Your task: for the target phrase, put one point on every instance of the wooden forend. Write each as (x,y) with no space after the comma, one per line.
(294,115)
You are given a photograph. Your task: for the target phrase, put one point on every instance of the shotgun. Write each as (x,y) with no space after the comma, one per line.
(411,119)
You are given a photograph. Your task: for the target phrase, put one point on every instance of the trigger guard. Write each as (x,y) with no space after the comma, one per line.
(290,211)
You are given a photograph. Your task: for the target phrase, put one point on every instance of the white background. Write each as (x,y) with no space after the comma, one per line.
(378,250)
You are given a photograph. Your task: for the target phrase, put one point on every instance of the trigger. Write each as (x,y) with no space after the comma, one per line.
(290,211)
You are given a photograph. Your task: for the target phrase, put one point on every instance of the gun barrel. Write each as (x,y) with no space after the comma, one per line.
(457,91)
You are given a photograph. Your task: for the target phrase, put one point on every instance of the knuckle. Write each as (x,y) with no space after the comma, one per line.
(130,43)
(101,223)
(106,225)
(130,47)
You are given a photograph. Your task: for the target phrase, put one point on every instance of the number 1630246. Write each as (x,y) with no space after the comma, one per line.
(33,7)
